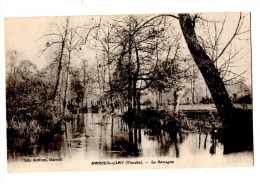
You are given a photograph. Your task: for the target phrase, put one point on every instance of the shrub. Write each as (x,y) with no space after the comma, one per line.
(245,99)
(147,102)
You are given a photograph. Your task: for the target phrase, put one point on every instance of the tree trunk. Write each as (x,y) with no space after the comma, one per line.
(59,72)
(60,61)
(237,132)
(66,85)
(98,75)
(138,98)
(85,101)
(129,77)
(208,70)
(135,76)
(134,96)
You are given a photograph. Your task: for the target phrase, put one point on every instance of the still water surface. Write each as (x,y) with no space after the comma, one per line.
(99,137)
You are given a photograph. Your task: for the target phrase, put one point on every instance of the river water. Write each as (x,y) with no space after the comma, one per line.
(91,137)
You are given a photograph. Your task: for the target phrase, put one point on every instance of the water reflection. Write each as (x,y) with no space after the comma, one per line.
(99,136)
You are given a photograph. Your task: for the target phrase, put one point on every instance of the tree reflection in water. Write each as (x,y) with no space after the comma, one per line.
(98,136)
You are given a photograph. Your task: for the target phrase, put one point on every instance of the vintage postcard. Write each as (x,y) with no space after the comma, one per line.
(129,92)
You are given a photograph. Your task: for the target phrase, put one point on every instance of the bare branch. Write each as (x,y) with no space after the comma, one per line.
(49,45)
(234,35)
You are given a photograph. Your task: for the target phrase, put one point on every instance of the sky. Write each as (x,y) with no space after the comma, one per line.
(24,36)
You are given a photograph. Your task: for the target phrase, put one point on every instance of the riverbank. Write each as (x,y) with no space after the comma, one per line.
(209,107)
(195,121)
(190,118)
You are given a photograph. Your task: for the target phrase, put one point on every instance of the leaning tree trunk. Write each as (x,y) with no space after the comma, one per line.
(208,70)
(237,134)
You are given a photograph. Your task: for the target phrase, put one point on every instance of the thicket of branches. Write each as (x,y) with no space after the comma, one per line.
(118,58)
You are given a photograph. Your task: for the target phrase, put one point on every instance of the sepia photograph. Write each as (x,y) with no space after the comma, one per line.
(137,91)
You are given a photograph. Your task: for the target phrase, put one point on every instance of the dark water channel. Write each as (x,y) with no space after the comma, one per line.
(96,136)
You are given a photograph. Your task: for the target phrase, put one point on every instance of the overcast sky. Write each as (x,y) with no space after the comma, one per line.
(23,35)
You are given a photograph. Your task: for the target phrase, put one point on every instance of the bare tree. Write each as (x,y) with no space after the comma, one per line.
(224,51)
(60,39)
(136,59)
